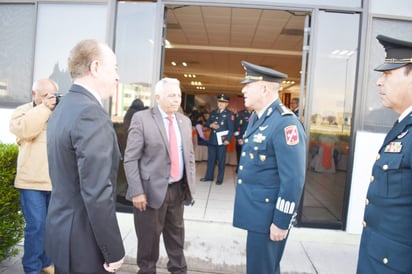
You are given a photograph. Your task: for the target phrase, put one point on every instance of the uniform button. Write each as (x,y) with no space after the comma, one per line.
(243,154)
(385,167)
(246,140)
(267,200)
(239,181)
(255,148)
(240,167)
(378,157)
(366,202)
(372,179)
(364,223)
(385,260)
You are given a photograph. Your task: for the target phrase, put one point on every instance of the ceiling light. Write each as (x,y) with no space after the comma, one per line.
(184,64)
(173,63)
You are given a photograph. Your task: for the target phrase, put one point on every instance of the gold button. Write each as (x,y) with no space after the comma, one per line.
(378,157)
(385,260)
(372,179)
(255,148)
(240,167)
(267,200)
(243,154)
(246,140)
(364,223)
(366,202)
(385,167)
(239,181)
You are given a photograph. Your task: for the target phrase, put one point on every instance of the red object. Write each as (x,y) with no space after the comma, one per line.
(174,157)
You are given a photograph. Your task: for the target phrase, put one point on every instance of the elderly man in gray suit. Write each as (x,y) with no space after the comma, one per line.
(159,164)
(82,233)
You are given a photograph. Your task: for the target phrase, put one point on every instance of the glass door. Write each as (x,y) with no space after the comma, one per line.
(135,47)
(328,117)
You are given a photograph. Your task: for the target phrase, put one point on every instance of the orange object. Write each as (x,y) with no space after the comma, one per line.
(232,144)
(327,155)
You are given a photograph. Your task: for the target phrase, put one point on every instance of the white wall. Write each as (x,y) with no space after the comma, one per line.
(6,136)
(366,149)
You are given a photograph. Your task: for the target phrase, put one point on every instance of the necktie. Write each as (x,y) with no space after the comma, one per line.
(174,157)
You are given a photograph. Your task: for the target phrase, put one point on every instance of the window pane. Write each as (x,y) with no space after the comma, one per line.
(57,33)
(329,129)
(16,54)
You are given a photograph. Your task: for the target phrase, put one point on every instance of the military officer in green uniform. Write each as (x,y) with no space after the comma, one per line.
(271,172)
(222,124)
(386,241)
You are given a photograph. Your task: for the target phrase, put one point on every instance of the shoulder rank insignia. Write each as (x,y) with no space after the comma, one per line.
(292,135)
(283,110)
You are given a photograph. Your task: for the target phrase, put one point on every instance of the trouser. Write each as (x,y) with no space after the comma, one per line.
(262,254)
(34,204)
(168,219)
(216,153)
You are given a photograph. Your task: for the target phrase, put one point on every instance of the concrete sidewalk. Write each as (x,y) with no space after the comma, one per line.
(213,245)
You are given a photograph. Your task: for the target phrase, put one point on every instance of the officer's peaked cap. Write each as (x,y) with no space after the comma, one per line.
(223,98)
(398,53)
(258,73)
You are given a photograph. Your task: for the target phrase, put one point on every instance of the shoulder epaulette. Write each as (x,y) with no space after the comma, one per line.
(283,110)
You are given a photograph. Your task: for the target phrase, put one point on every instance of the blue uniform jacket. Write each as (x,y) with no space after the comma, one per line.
(241,122)
(226,121)
(271,171)
(386,242)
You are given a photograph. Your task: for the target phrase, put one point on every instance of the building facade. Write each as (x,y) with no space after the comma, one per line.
(327,47)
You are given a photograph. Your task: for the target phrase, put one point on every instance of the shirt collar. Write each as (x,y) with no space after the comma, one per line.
(405,113)
(93,92)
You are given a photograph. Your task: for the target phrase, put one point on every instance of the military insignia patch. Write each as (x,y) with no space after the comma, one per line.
(394,147)
(292,135)
(403,134)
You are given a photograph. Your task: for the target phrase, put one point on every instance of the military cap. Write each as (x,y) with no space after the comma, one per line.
(258,73)
(398,53)
(223,98)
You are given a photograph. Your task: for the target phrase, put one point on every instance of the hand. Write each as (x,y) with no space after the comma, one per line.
(214,125)
(277,234)
(226,142)
(140,202)
(49,100)
(240,141)
(113,267)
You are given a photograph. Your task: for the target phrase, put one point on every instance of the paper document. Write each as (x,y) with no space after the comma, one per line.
(221,136)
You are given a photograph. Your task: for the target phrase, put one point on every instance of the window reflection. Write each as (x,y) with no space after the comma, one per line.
(330,118)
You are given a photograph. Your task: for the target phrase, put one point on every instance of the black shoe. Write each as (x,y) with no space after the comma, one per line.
(218,182)
(205,179)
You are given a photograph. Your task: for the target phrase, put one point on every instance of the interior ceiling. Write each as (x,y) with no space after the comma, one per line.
(213,40)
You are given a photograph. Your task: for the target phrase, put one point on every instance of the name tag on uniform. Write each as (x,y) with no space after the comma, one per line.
(393,147)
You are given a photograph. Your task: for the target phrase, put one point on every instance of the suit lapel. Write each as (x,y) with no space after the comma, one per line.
(157,116)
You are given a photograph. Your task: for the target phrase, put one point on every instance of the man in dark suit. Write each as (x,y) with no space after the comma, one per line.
(386,241)
(159,164)
(82,233)
(271,171)
(222,124)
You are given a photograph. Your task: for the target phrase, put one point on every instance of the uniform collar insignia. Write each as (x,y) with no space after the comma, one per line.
(269,111)
(262,128)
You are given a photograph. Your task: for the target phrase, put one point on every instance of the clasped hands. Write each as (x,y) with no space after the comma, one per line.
(113,267)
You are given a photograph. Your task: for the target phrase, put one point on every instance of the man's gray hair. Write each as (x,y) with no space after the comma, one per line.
(36,84)
(164,81)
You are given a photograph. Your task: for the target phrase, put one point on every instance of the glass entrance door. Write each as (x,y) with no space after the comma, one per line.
(328,118)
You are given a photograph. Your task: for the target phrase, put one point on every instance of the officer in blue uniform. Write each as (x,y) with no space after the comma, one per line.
(241,122)
(386,241)
(221,123)
(271,172)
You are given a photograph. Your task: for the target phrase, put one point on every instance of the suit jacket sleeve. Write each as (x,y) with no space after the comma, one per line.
(97,154)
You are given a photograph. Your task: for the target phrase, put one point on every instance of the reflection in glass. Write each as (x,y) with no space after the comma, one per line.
(135,32)
(331,117)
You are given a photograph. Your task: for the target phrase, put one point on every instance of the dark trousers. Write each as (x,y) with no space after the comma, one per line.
(262,254)
(59,271)
(168,219)
(216,153)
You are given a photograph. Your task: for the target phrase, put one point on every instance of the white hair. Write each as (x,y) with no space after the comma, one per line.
(164,81)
